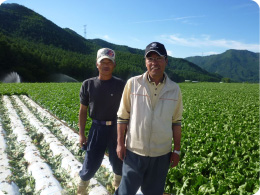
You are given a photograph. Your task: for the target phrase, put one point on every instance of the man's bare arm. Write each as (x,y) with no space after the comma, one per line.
(83,113)
(121,149)
(176,131)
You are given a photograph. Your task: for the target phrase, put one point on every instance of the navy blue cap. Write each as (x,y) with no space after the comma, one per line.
(156,47)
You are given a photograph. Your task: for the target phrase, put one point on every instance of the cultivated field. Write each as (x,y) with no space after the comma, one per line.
(220,139)
(40,154)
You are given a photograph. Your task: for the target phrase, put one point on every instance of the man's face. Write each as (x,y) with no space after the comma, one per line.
(105,67)
(155,64)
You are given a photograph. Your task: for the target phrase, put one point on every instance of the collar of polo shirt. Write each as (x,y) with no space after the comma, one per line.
(162,81)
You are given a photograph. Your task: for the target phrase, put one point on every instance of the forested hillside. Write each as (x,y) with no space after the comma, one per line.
(36,48)
(238,65)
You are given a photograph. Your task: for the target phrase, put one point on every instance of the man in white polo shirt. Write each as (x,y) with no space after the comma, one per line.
(150,116)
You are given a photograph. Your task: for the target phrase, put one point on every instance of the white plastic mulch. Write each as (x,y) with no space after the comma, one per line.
(66,131)
(45,182)
(5,186)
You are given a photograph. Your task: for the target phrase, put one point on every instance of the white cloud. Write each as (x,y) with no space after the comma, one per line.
(209,53)
(106,37)
(206,41)
(205,53)
(246,4)
(169,53)
(184,19)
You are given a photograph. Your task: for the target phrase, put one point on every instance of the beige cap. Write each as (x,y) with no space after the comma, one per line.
(105,53)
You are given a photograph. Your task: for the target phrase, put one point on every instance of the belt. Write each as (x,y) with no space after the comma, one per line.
(107,123)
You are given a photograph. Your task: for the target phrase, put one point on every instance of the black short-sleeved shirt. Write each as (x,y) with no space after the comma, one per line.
(102,97)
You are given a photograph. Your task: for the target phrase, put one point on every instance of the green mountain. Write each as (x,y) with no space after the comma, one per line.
(37,50)
(238,65)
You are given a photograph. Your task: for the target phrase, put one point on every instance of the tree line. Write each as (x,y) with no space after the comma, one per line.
(35,62)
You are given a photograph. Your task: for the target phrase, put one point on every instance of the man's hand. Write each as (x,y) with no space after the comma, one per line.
(121,151)
(82,140)
(83,112)
(175,158)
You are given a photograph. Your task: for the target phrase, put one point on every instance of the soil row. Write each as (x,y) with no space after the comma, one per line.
(51,163)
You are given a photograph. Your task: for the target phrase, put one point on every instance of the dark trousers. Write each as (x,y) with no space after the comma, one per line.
(149,173)
(100,138)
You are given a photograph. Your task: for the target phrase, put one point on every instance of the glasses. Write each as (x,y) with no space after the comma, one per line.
(157,59)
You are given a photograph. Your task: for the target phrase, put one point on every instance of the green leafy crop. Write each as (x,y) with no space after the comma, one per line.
(220,133)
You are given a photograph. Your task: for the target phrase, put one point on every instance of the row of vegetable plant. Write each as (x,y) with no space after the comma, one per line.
(5,168)
(220,140)
(49,146)
(57,155)
(45,182)
(21,180)
(220,133)
(70,139)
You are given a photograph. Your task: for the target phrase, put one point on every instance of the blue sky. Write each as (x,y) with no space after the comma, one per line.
(185,27)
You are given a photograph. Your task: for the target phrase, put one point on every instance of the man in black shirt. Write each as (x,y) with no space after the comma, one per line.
(100,95)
